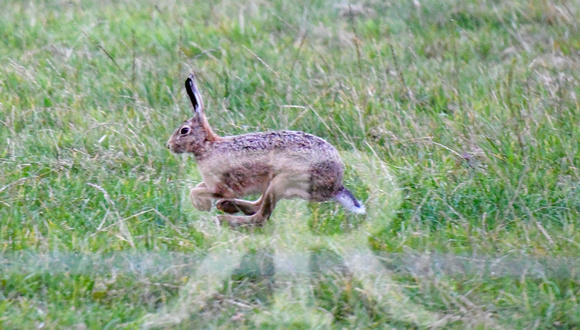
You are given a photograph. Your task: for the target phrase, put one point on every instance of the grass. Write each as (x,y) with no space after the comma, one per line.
(472,105)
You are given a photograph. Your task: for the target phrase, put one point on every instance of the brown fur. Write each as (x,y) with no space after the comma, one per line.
(281,164)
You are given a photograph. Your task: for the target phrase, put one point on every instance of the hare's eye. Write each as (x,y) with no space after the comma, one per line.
(184,130)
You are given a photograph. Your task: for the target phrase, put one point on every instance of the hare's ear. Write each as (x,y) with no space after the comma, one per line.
(194,95)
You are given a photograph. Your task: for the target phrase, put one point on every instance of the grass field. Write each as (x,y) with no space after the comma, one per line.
(472,107)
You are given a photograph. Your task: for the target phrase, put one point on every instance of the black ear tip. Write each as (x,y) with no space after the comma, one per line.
(192,91)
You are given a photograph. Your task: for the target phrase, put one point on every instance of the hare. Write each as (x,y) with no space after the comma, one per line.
(280,164)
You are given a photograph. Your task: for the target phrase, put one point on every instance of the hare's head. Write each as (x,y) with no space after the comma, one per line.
(194,134)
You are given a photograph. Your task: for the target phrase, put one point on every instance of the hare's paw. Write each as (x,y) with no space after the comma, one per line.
(236,205)
(200,198)
(201,204)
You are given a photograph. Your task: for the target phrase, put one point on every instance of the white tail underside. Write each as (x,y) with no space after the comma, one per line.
(350,203)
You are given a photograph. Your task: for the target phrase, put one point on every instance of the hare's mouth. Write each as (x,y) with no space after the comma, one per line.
(174,149)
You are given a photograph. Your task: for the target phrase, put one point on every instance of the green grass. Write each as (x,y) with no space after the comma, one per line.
(472,105)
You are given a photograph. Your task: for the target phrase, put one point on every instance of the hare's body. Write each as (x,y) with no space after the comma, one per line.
(239,165)
(276,165)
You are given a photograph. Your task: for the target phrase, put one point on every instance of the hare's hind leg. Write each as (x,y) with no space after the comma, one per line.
(280,187)
(238,205)
(201,197)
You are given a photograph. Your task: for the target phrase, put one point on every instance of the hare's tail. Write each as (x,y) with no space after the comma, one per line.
(347,200)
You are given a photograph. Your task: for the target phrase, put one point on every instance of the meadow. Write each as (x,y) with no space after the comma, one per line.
(459,122)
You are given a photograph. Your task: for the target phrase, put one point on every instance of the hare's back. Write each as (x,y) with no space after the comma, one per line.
(277,142)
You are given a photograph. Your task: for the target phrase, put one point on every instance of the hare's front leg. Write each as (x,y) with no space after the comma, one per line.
(201,197)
